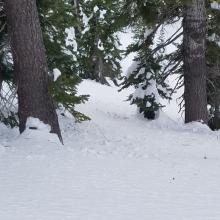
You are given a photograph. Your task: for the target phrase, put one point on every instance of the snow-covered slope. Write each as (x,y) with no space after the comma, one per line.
(116,167)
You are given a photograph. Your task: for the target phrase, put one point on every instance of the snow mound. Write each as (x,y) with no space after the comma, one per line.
(37,134)
(36,124)
(116,166)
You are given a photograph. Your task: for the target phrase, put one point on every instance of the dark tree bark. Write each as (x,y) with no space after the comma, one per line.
(213,74)
(98,65)
(1,78)
(77,27)
(217,100)
(30,63)
(194,43)
(216,113)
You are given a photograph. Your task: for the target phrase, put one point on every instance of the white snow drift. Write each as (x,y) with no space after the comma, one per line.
(115,167)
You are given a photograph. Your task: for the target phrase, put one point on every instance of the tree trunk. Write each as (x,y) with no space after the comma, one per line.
(216,113)
(194,38)
(216,119)
(30,63)
(1,78)
(98,65)
(77,14)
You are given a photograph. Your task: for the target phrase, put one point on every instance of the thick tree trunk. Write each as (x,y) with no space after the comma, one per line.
(194,27)
(30,63)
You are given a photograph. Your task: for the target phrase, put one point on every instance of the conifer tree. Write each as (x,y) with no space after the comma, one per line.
(30,64)
(58,20)
(213,64)
(148,73)
(167,12)
(98,44)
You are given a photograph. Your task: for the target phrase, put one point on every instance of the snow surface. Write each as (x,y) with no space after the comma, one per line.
(116,167)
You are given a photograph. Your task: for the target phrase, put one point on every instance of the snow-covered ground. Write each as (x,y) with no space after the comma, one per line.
(115,167)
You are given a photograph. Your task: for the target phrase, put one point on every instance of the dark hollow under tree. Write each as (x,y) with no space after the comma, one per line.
(194,46)
(30,64)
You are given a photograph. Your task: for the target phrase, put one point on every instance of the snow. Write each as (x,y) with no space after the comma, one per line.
(151,90)
(215,38)
(126,39)
(100,45)
(147,33)
(96,8)
(102,13)
(56,74)
(71,38)
(133,67)
(215,5)
(116,166)
(36,124)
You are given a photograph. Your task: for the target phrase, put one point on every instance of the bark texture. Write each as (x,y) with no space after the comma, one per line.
(213,72)
(98,65)
(1,78)
(217,99)
(194,43)
(30,63)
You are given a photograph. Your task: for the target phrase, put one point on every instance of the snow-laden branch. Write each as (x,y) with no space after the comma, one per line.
(215,5)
